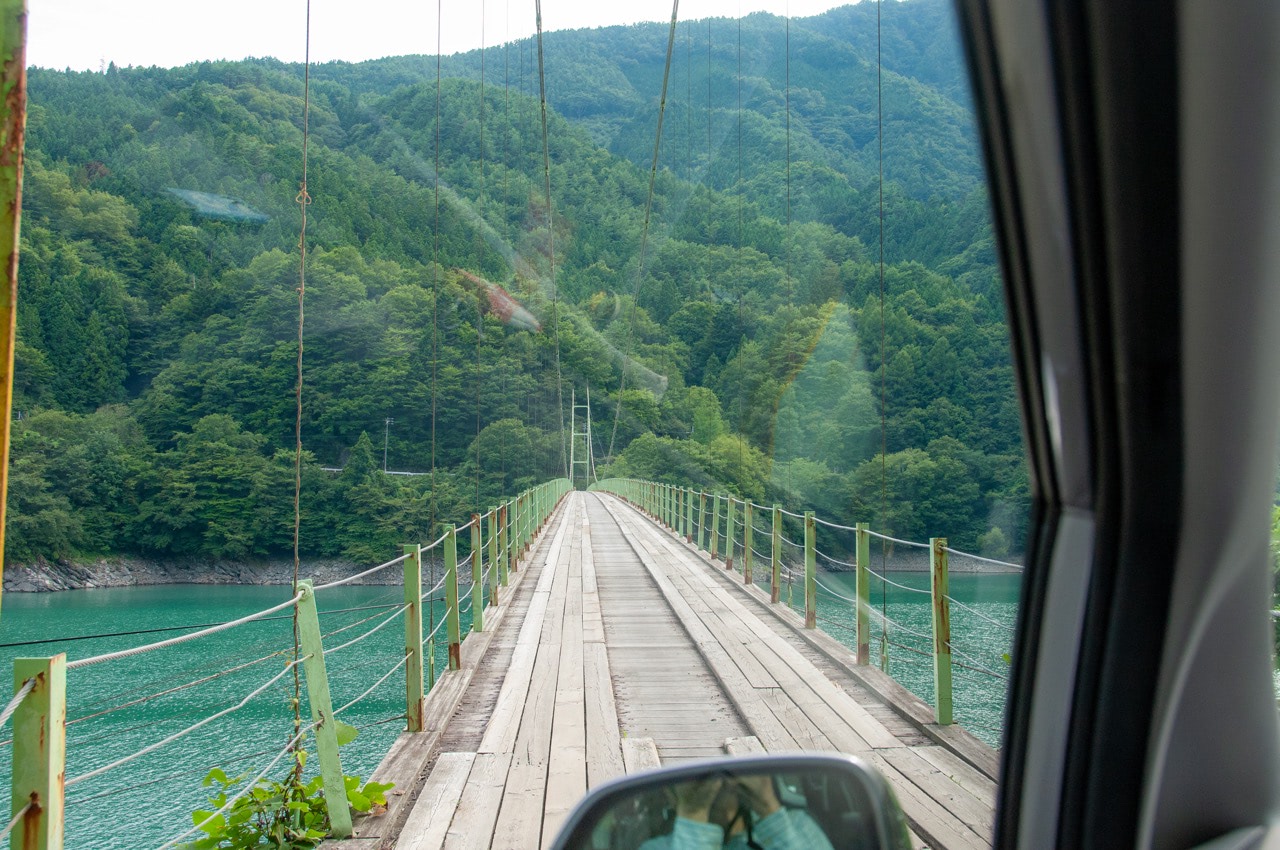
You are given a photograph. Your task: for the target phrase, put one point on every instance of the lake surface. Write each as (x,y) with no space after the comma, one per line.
(117,708)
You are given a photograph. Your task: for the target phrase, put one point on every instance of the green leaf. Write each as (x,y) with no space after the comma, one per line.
(346,733)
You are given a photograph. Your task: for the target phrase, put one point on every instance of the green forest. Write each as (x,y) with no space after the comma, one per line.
(751,351)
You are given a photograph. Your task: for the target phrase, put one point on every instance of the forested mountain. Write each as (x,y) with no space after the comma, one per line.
(158,305)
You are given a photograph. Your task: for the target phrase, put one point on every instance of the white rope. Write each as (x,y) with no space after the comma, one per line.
(247,788)
(976,664)
(788,513)
(884,620)
(827,557)
(138,650)
(758,530)
(443,620)
(399,664)
(184,732)
(834,525)
(761,555)
(434,545)
(899,586)
(19,816)
(355,640)
(834,593)
(897,540)
(367,572)
(17,700)
(1018,567)
(439,585)
(981,615)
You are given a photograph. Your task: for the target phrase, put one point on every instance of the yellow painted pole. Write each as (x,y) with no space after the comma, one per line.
(13,119)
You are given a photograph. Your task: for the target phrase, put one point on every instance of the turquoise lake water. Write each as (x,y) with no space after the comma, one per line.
(148,801)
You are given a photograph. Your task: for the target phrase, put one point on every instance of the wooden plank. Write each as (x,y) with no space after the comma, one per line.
(567,769)
(640,754)
(504,723)
(750,745)
(519,822)
(472,825)
(937,826)
(949,795)
(960,772)
(604,741)
(429,821)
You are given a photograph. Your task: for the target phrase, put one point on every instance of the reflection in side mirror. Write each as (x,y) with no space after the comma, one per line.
(800,802)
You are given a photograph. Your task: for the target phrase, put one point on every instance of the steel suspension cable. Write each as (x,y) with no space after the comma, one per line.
(551,242)
(648,212)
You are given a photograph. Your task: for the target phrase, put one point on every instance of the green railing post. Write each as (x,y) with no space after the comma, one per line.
(863,593)
(810,572)
(941,631)
(39,752)
(775,581)
(494,570)
(326,725)
(451,598)
(715,527)
(504,545)
(748,520)
(477,576)
(729,523)
(703,542)
(688,514)
(414,698)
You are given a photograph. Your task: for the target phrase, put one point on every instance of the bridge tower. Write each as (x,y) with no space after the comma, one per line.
(581,451)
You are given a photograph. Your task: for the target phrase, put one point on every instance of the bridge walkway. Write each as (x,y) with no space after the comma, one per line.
(619,648)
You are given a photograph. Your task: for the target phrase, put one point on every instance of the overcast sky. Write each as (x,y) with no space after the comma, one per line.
(87,34)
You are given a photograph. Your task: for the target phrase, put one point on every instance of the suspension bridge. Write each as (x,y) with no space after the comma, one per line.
(635,625)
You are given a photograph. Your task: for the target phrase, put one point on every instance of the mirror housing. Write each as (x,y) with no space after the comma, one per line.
(771,802)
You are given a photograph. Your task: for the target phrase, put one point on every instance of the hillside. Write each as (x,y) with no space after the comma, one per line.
(158,307)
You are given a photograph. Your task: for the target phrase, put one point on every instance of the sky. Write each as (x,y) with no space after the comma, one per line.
(85,35)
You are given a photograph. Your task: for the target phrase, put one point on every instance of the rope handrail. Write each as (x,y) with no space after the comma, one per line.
(443,620)
(231,801)
(758,530)
(350,626)
(910,649)
(761,555)
(431,546)
(1018,567)
(390,617)
(981,615)
(373,687)
(150,748)
(134,786)
(836,525)
(221,627)
(788,513)
(977,665)
(884,619)
(837,561)
(898,540)
(785,539)
(834,593)
(17,700)
(890,581)
(16,818)
(367,572)
(182,687)
(438,585)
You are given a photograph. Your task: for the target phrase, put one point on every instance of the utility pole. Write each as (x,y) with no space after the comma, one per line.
(386,432)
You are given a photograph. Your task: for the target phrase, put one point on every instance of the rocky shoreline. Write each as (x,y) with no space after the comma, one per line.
(123,571)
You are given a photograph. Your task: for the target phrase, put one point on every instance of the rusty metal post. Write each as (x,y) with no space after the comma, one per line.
(703,543)
(13,119)
(775,580)
(941,631)
(810,572)
(39,752)
(326,727)
(414,698)
(729,542)
(504,545)
(451,597)
(477,576)
(863,594)
(715,526)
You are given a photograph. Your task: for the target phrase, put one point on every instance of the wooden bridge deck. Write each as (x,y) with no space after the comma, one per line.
(618,648)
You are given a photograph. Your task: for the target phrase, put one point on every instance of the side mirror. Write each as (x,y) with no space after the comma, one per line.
(795,802)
